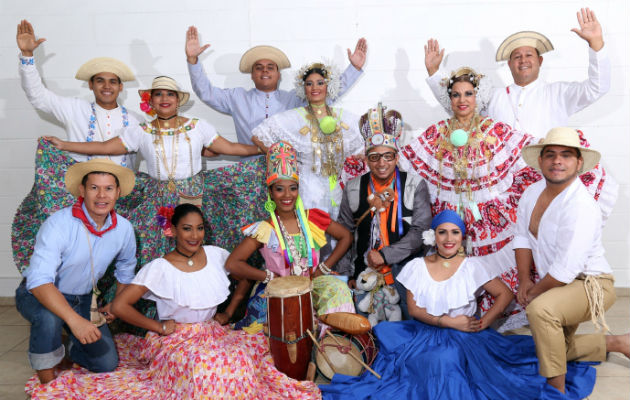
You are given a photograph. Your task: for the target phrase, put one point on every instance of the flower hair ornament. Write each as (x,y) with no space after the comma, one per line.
(331,75)
(145,106)
(483,89)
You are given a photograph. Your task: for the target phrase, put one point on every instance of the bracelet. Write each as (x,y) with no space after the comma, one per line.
(324,268)
(438,321)
(163,329)
(269,277)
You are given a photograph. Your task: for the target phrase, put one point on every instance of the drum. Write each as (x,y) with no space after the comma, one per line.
(289,315)
(362,346)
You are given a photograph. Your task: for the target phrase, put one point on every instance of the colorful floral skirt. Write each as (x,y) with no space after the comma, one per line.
(197,361)
(329,295)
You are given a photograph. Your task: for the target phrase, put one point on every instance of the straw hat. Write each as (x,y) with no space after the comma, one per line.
(104,64)
(76,172)
(520,39)
(567,137)
(263,53)
(164,82)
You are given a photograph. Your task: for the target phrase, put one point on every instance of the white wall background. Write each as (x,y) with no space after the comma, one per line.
(149,36)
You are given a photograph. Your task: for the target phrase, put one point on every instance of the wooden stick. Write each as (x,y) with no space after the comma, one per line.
(330,364)
(359,360)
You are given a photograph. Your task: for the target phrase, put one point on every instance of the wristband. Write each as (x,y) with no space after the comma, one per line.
(324,268)
(163,329)
(269,277)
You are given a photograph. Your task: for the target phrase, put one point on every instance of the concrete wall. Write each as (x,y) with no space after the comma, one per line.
(149,36)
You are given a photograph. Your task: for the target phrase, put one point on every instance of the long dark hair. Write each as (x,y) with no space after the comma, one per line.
(182,210)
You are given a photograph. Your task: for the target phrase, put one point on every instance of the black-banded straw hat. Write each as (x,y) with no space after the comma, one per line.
(76,172)
(524,38)
(167,83)
(104,64)
(562,136)
(263,53)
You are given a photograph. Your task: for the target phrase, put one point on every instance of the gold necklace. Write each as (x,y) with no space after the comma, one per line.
(319,108)
(171,174)
(327,148)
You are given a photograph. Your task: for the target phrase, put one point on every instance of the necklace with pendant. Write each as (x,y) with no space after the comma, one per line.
(190,261)
(445,264)
(319,109)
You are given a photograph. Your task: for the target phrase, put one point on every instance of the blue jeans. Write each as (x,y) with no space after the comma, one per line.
(45,349)
(402,291)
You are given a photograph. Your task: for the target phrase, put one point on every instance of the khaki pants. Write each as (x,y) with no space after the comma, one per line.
(554,317)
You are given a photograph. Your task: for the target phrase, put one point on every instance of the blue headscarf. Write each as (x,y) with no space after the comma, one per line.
(448,216)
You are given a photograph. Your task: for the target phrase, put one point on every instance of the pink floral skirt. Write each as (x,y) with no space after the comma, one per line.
(197,361)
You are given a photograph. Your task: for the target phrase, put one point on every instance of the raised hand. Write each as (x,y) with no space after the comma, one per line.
(433,56)
(25,38)
(193,48)
(357,59)
(590,29)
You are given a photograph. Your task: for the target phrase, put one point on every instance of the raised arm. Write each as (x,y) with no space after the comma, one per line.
(112,147)
(193,48)
(590,29)
(26,40)
(433,56)
(122,306)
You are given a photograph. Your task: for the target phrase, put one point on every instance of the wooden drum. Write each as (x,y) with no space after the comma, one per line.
(289,315)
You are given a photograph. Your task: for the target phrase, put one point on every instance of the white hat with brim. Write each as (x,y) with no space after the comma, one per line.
(164,82)
(263,53)
(562,136)
(76,172)
(520,39)
(104,64)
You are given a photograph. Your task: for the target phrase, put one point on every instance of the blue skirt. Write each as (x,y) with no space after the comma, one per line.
(419,361)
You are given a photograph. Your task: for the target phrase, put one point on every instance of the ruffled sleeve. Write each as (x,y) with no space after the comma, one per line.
(318,222)
(441,297)
(263,232)
(172,288)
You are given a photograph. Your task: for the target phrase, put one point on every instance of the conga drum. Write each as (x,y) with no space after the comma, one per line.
(289,316)
(338,353)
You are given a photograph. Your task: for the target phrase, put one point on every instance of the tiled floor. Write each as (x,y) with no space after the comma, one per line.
(613,376)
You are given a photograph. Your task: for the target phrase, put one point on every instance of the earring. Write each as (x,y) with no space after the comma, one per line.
(270,205)
(461,252)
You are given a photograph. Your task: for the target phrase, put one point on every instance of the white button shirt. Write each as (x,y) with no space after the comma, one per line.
(540,106)
(569,239)
(75,114)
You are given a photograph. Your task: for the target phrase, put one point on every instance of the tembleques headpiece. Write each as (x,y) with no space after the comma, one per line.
(256,53)
(381,129)
(281,163)
(328,71)
(482,87)
(104,64)
(520,39)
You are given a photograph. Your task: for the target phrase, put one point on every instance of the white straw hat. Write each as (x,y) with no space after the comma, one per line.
(76,172)
(104,64)
(165,82)
(261,53)
(520,39)
(562,136)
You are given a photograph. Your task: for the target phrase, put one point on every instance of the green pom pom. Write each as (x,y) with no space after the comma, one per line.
(459,137)
(270,205)
(328,125)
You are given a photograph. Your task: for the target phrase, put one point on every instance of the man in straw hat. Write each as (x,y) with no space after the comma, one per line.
(73,249)
(249,108)
(384,240)
(530,104)
(84,121)
(559,229)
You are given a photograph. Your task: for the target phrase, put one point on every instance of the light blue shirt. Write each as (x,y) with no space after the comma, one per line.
(249,108)
(62,256)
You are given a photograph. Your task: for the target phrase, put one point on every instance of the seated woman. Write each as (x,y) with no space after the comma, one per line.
(289,241)
(172,146)
(186,355)
(446,352)
(323,136)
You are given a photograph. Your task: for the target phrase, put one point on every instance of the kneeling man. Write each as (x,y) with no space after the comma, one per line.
(72,251)
(559,229)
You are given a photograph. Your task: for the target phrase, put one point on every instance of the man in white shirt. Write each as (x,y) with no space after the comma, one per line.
(559,231)
(530,104)
(84,121)
(249,108)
